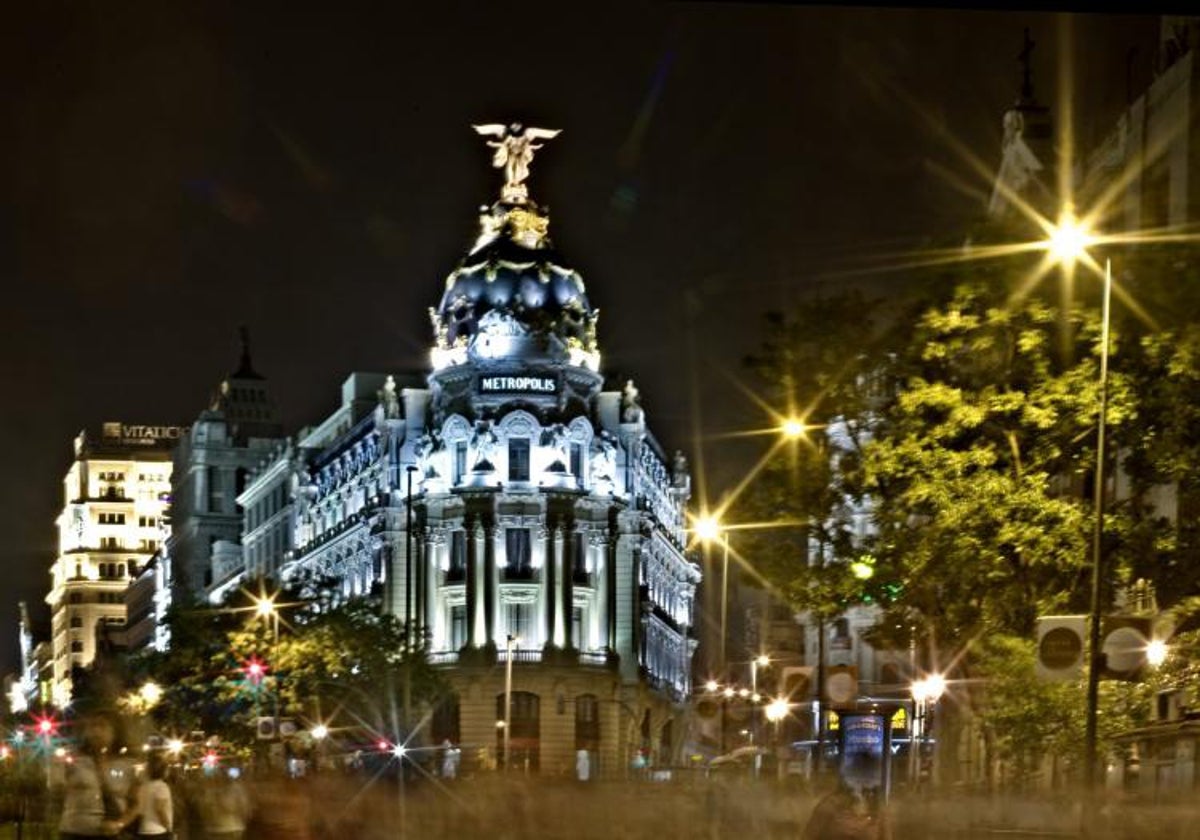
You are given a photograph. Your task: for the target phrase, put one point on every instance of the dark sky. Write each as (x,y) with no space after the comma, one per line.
(168,173)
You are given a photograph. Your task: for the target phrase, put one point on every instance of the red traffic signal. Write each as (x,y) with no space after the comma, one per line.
(46,726)
(255,670)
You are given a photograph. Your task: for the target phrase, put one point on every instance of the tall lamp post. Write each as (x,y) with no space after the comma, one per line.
(708,529)
(509,641)
(1068,243)
(925,694)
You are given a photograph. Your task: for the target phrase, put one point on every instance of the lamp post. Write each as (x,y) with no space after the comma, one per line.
(925,694)
(708,529)
(266,609)
(509,641)
(776,711)
(761,661)
(1067,243)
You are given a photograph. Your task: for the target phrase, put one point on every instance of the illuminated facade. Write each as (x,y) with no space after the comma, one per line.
(506,505)
(114,497)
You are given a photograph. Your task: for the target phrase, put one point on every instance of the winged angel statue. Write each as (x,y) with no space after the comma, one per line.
(514,152)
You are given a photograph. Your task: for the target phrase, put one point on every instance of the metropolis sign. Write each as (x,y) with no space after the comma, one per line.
(512,384)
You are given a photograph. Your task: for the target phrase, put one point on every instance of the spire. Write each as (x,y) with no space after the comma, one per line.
(245,369)
(1025,57)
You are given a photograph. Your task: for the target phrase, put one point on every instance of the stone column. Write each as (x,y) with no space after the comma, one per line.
(549,575)
(567,541)
(490,586)
(431,614)
(476,625)
(555,547)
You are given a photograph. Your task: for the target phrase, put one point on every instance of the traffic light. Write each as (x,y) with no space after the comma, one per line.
(46,726)
(255,670)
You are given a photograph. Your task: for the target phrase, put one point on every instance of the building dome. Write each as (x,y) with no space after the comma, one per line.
(514,285)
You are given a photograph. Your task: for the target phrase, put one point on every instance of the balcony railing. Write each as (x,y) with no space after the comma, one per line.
(519,655)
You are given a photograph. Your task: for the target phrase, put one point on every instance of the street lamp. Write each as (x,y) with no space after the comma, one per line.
(776,711)
(509,642)
(708,529)
(761,661)
(1156,652)
(925,694)
(793,427)
(1068,242)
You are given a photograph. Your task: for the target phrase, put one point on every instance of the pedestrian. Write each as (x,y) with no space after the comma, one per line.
(155,808)
(224,805)
(450,758)
(96,784)
(844,814)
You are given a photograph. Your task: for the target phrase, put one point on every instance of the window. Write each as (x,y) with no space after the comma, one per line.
(518,548)
(518,618)
(76,647)
(518,459)
(579,562)
(108,542)
(458,556)
(460,461)
(577,463)
(458,626)
(76,622)
(112,519)
(213,478)
(587,722)
(577,627)
(148,545)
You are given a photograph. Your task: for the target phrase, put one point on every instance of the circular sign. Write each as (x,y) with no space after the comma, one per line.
(1124,650)
(841,687)
(1060,648)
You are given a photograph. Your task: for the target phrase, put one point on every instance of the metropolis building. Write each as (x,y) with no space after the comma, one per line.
(509,506)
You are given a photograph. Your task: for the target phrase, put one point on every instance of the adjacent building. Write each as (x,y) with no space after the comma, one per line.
(211,462)
(114,497)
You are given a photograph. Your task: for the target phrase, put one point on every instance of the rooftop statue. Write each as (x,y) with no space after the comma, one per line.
(514,153)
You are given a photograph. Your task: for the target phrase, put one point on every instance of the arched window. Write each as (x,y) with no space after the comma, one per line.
(445,723)
(525,737)
(587,722)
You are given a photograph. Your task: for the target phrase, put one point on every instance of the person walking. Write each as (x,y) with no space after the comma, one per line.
(225,806)
(155,807)
(96,786)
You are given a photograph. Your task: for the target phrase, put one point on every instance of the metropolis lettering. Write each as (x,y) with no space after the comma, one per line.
(518,385)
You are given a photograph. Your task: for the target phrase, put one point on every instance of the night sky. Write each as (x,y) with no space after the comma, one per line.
(168,174)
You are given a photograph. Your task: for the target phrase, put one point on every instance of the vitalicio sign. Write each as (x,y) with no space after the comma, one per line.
(134,435)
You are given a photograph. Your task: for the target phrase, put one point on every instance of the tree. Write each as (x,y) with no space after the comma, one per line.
(225,668)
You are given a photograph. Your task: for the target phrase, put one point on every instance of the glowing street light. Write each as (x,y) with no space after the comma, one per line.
(711,686)
(264,607)
(175,746)
(1069,240)
(708,528)
(319,732)
(777,710)
(793,428)
(151,693)
(1156,652)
